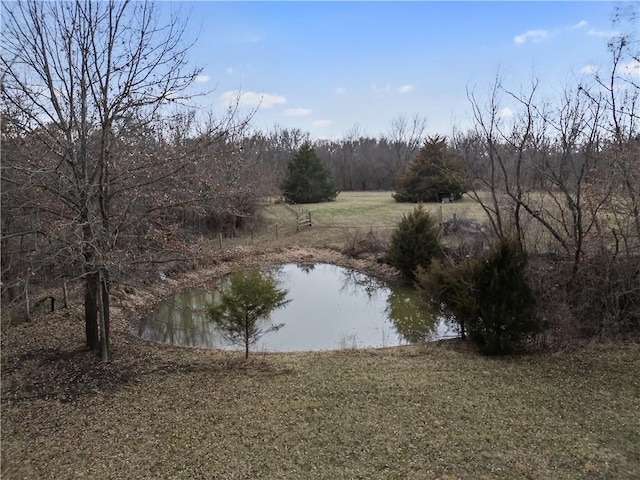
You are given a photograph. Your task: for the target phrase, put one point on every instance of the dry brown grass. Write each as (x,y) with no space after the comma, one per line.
(425,412)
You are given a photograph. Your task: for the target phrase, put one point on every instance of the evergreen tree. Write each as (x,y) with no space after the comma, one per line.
(414,242)
(433,173)
(307,179)
(504,318)
(249,297)
(489,298)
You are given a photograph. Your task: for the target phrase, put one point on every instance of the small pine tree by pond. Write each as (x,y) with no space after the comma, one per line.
(433,174)
(249,298)
(414,242)
(307,179)
(505,319)
(489,298)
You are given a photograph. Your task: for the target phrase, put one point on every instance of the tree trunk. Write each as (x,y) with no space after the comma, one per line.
(246,337)
(27,306)
(106,308)
(103,308)
(91,311)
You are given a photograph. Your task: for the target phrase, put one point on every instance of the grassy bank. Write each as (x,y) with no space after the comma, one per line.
(437,411)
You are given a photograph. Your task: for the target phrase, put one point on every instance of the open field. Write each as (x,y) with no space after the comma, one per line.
(380,209)
(436,411)
(335,222)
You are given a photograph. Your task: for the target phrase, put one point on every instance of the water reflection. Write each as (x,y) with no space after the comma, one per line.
(406,310)
(332,307)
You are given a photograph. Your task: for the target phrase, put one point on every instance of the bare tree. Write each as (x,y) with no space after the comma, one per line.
(405,136)
(555,147)
(81,77)
(617,93)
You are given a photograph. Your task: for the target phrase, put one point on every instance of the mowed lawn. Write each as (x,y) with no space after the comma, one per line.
(434,411)
(364,209)
(422,412)
(335,223)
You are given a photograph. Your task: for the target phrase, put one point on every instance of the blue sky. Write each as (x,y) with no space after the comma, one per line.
(324,67)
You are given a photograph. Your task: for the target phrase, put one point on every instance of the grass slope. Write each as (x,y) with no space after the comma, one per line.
(436,411)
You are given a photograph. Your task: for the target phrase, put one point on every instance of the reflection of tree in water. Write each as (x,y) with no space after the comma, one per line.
(407,311)
(354,282)
(405,307)
(306,267)
(181,320)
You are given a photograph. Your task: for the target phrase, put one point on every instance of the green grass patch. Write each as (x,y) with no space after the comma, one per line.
(334,223)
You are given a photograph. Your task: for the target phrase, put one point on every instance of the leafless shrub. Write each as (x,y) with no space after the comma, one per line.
(358,242)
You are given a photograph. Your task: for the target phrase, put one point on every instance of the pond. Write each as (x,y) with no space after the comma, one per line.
(330,308)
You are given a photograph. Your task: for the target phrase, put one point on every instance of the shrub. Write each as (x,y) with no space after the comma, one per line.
(249,298)
(358,243)
(448,292)
(504,319)
(414,242)
(490,298)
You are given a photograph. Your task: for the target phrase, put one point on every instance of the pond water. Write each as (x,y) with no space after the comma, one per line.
(330,308)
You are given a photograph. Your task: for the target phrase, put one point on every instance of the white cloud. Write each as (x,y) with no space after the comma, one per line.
(580,24)
(589,69)
(203,78)
(602,33)
(505,113)
(406,88)
(341,90)
(230,70)
(252,99)
(533,35)
(321,123)
(631,68)
(297,112)
(381,89)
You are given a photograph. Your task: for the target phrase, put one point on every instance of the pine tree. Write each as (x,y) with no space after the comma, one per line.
(489,298)
(504,319)
(249,297)
(414,242)
(434,172)
(307,179)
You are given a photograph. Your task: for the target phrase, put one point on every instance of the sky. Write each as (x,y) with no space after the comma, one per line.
(327,67)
